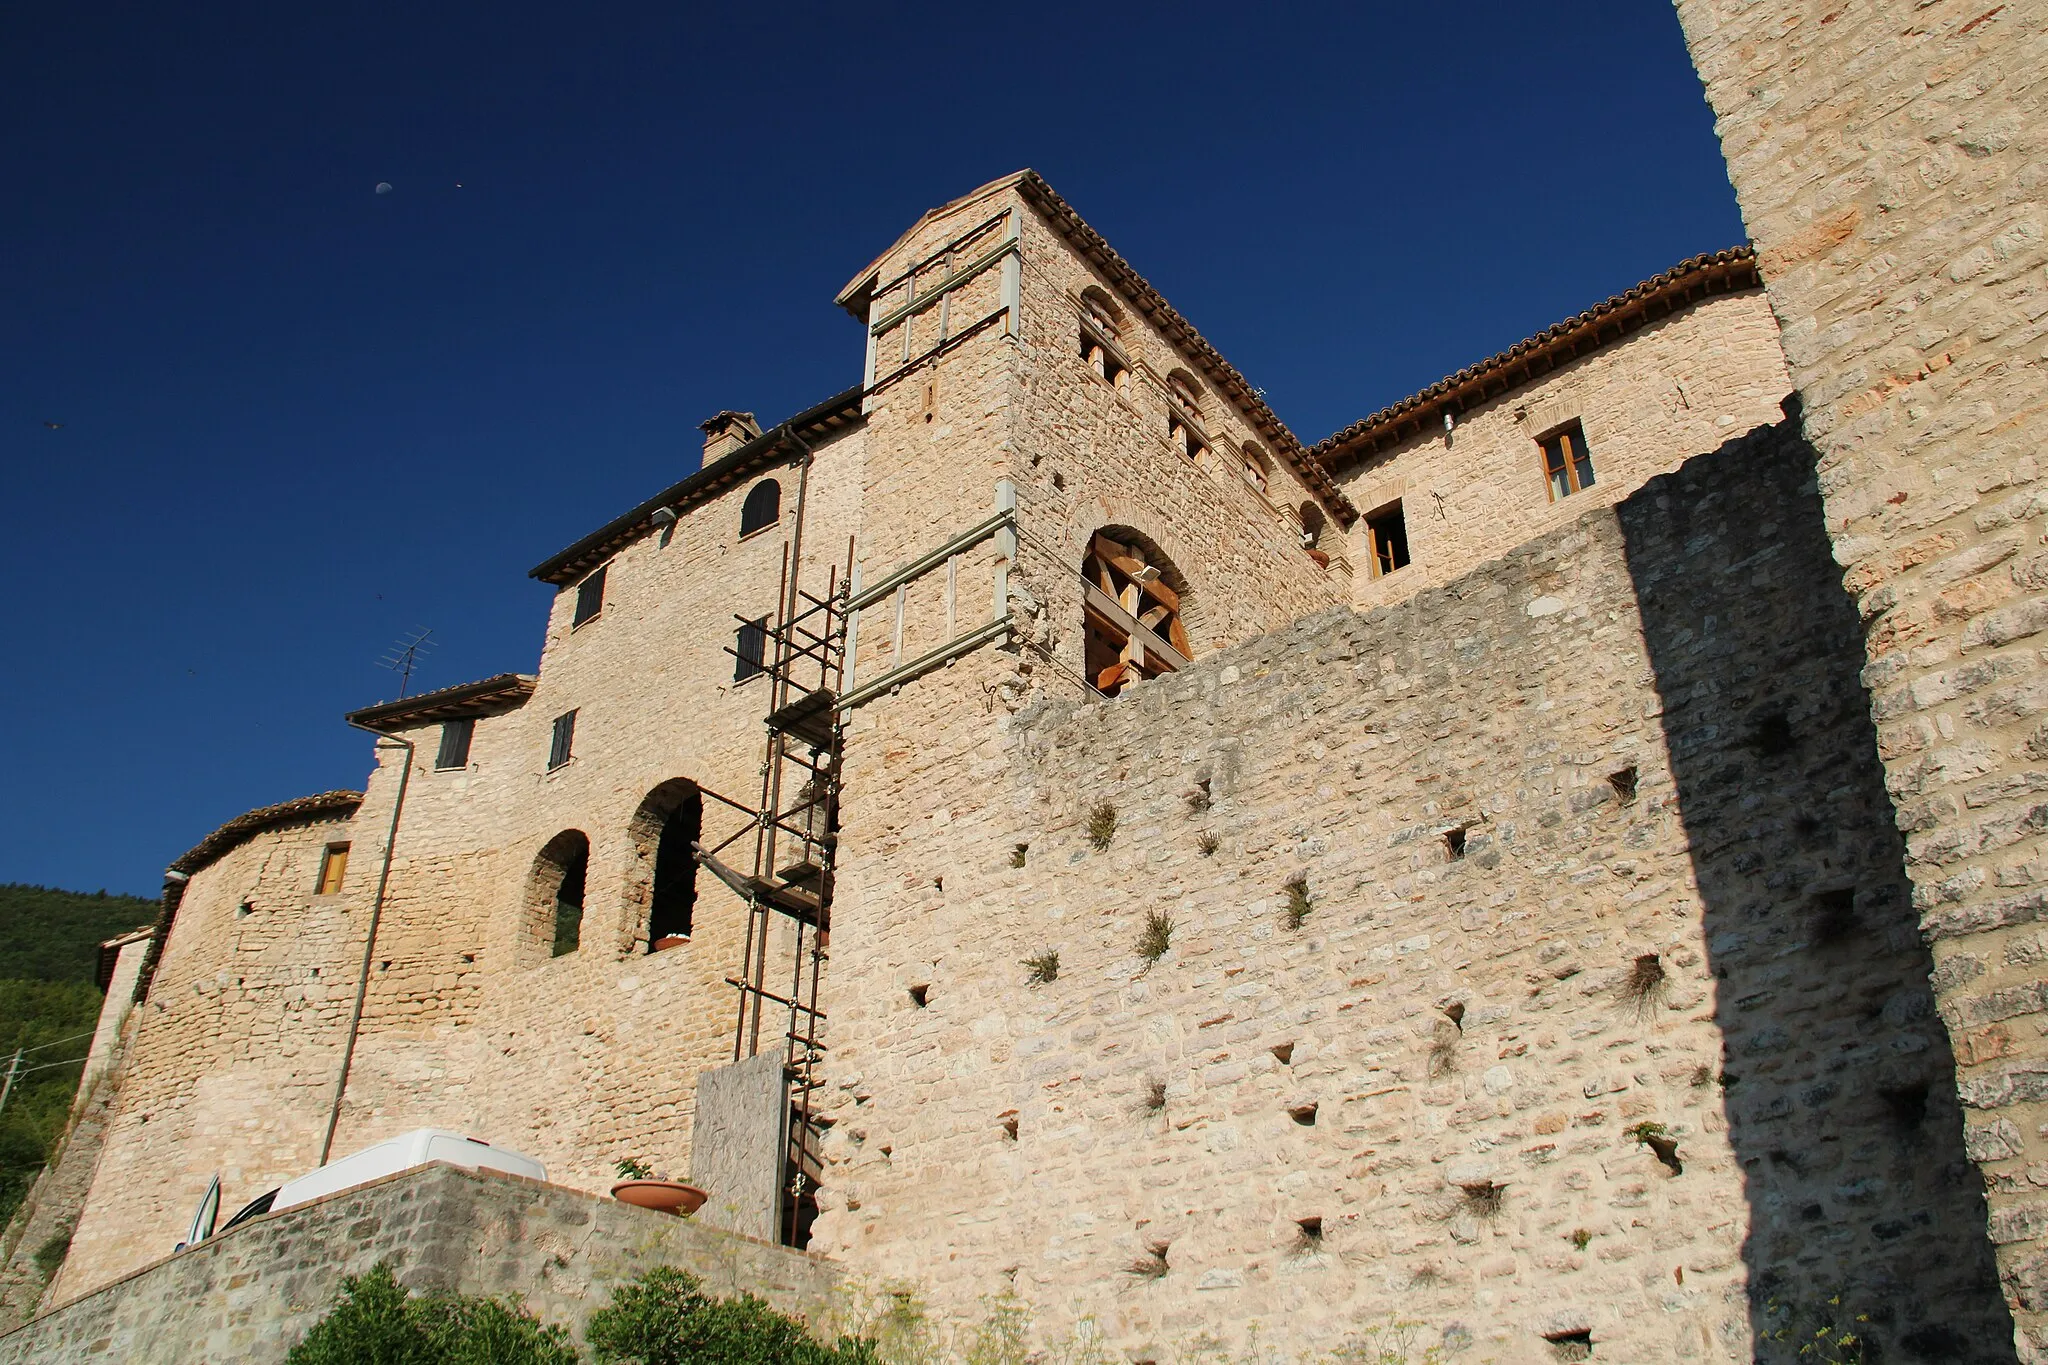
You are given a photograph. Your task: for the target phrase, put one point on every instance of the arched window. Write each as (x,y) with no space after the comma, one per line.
(1101,337)
(668,823)
(1132,604)
(554,895)
(762,509)
(1184,415)
(1312,523)
(1256,467)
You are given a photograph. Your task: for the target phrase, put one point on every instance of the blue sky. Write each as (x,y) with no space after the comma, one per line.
(300,418)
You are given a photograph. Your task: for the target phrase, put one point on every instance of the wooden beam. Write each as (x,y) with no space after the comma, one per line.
(1114,614)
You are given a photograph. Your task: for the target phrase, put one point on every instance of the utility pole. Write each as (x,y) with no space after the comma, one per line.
(13,1070)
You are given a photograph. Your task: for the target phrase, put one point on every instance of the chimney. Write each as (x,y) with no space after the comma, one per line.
(727,432)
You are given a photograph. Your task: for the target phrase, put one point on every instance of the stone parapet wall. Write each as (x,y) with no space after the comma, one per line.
(1891,160)
(1300,1125)
(251,1293)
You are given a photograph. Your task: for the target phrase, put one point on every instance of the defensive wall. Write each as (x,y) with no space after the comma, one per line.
(1890,160)
(250,1294)
(1453,1024)
(1634,748)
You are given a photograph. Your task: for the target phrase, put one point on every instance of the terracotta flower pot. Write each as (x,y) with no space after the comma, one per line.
(667,941)
(667,1196)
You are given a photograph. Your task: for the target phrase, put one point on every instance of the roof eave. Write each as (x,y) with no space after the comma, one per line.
(840,410)
(1729,271)
(1224,376)
(499,692)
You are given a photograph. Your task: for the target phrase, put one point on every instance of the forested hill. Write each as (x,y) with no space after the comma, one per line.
(51,935)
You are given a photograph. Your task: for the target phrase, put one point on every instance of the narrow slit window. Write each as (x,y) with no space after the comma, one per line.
(1386,533)
(750,650)
(333,867)
(455,737)
(1567,462)
(589,597)
(562,746)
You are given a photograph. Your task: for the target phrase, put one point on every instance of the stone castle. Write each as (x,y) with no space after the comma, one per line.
(1557,860)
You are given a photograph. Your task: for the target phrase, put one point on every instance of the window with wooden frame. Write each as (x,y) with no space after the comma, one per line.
(1386,535)
(1101,335)
(562,744)
(455,737)
(762,509)
(1567,463)
(1131,614)
(1184,415)
(1254,465)
(589,597)
(750,649)
(333,868)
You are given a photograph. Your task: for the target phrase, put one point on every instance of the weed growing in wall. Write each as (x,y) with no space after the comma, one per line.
(1043,968)
(1205,843)
(1299,902)
(1102,826)
(1645,986)
(1581,1238)
(1017,854)
(1156,937)
(1658,1139)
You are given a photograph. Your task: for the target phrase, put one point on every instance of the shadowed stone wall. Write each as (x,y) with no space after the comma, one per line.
(1890,158)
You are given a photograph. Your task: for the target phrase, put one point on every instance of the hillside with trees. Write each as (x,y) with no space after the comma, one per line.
(49,1002)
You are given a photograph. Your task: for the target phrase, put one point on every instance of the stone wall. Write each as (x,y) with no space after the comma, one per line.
(1681,385)
(1301,1125)
(468,1024)
(251,1293)
(1890,159)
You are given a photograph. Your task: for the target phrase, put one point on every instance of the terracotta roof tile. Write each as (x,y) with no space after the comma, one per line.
(1719,272)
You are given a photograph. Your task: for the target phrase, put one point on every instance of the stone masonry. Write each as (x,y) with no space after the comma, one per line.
(1646,733)
(1388,1060)
(1890,159)
(251,1294)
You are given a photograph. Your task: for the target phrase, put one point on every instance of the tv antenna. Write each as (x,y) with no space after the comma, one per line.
(404,656)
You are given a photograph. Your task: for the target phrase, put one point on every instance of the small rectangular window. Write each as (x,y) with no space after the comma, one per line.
(589,597)
(333,867)
(455,736)
(1567,463)
(564,740)
(751,651)
(1103,359)
(1386,532)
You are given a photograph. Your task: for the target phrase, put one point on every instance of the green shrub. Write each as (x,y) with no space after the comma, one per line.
(378,1323)
(664,1318)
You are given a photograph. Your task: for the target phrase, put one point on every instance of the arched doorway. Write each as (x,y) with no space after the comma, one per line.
(1133,605)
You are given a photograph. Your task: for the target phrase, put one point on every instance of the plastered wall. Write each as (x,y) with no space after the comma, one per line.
(1890,160)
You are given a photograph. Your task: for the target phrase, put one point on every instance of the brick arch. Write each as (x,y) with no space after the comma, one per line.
(661,876)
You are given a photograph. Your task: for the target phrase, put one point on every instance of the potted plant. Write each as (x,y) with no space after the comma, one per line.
(640,1186)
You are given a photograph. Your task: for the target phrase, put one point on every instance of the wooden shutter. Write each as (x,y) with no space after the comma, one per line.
(590,596)
(455,735)
(564,740)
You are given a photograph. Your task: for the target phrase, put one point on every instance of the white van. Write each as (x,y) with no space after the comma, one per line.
(402,1153)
